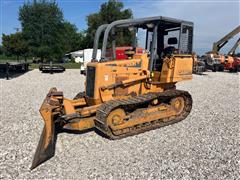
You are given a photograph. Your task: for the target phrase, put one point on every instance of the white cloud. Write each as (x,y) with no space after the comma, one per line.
(212,19)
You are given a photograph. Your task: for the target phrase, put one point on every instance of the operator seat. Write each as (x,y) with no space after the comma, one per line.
(168,51)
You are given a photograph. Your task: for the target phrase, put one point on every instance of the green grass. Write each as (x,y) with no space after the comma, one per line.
(71,65)
(66,65)
(4,58)
(33,66)
(11,58)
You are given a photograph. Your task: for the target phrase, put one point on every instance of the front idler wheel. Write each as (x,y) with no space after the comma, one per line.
(116,117)
(178,104)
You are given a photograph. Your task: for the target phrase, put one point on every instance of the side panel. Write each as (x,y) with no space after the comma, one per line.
(183,68)
(121,91)
(100,75)
(177,68)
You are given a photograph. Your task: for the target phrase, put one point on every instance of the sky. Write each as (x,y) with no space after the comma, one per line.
(212,18)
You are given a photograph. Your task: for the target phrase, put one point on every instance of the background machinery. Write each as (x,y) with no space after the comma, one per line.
(213,59)
(126,97)
(232,61)
(198,65)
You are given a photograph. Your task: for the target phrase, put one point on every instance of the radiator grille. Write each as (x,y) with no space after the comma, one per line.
(91,71)
(186,41)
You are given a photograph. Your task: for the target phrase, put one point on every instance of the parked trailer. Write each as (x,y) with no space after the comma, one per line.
(13,67)
(86,58)
(83,57)
(51,68)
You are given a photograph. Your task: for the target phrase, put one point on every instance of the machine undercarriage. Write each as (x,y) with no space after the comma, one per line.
(126,117)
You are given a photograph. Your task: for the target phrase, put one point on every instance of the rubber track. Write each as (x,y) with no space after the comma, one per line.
(105,109)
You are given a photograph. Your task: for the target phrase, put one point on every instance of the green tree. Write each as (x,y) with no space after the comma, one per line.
(15,44)
(42,24)
(110,11)
(71,39)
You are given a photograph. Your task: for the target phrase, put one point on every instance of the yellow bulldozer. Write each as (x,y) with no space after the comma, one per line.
(128,96)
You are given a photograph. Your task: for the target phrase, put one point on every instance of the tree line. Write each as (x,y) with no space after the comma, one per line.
(46,35)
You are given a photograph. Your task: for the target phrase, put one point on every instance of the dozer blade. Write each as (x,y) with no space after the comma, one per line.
(45,149)
(46,146)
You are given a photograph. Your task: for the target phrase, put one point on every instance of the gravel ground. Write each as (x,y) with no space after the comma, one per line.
(206,145)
